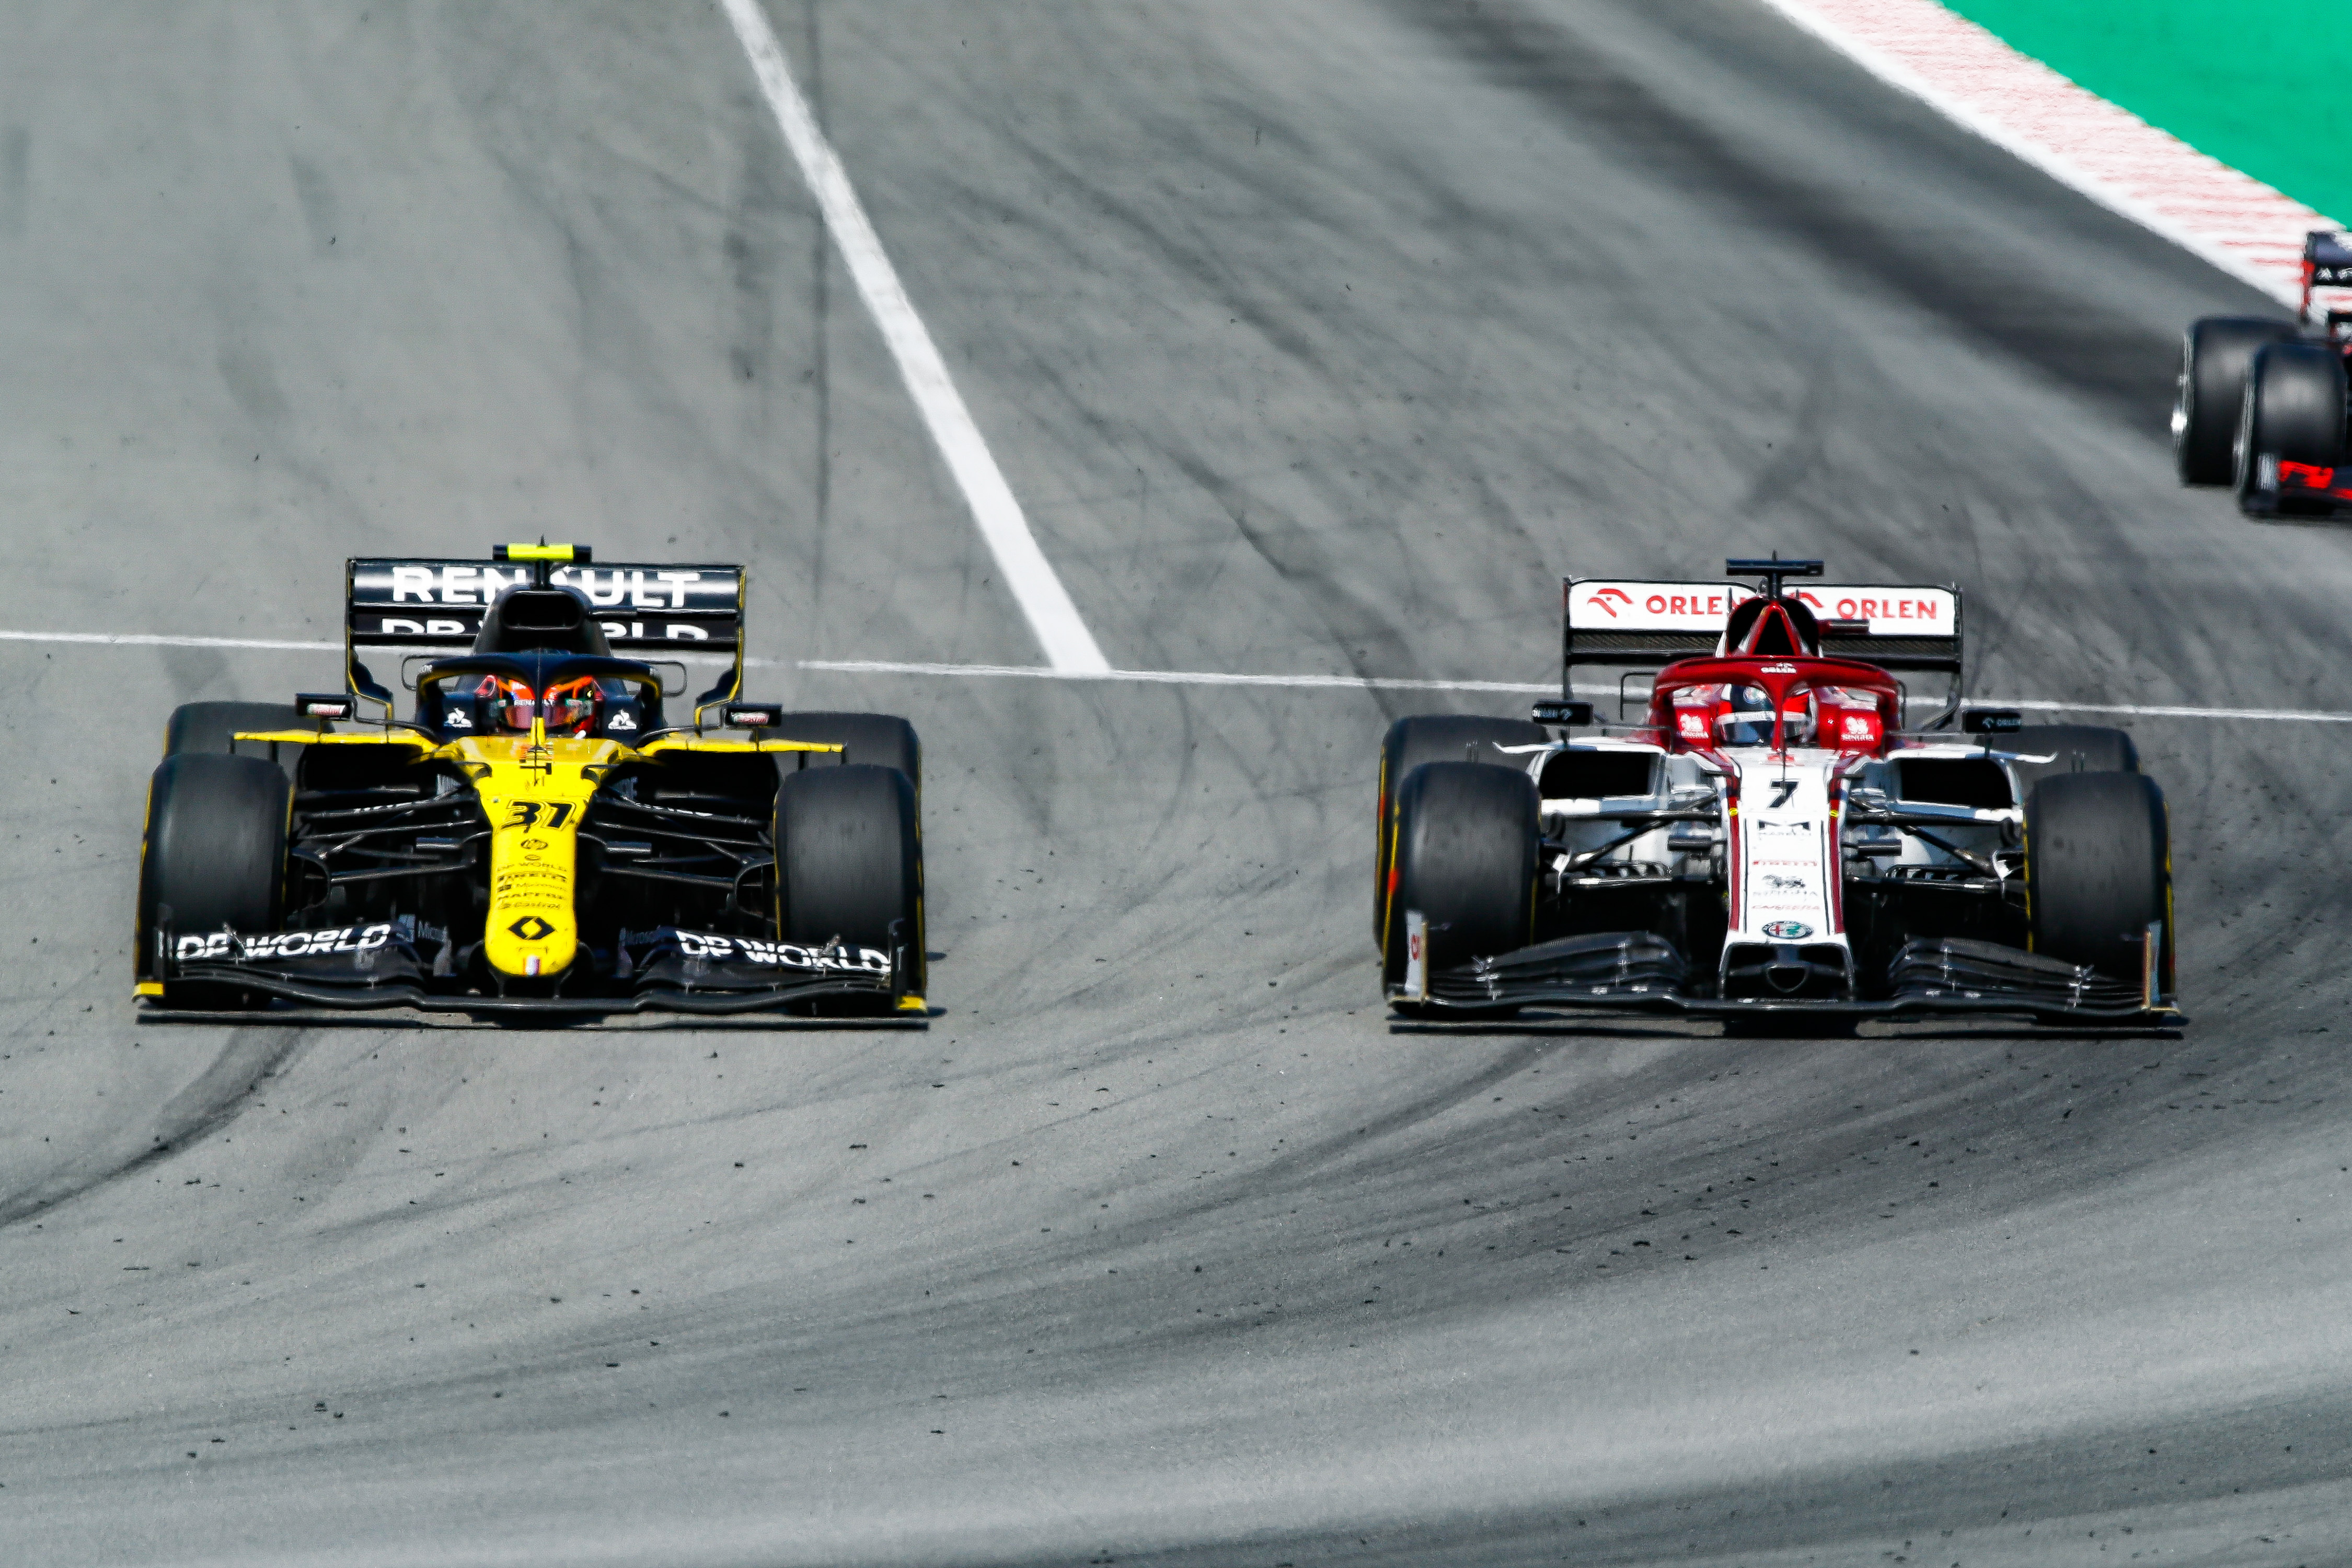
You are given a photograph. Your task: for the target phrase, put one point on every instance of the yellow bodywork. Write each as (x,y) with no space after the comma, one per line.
(534,790)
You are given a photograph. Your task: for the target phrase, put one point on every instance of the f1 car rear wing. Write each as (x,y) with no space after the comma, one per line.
(428,604)
(1631,625)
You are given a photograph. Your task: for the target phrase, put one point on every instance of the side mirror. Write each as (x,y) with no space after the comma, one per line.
(1568,715)
(324,705)
(1992,721)
(752,715)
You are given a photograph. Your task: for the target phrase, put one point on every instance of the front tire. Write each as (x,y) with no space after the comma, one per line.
(2293,412)
(212,856)
(2098,868)
(849,862)
(2215,353)
(1433,737)
(1467,842)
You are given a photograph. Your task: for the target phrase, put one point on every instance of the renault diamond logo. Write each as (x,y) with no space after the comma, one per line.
(530,928)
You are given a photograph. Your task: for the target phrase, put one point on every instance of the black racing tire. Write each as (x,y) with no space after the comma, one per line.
(2098,868)
(213,855)
(211,726)
(1467,843)
(849,861)
(883,739)
(2072,749)
(2215,353)
(2293,410)
(1434,737)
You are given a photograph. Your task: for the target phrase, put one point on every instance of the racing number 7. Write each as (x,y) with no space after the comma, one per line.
(526,813)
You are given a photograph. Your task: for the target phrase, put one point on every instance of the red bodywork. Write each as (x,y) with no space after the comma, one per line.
(1857,706)
(2314,478)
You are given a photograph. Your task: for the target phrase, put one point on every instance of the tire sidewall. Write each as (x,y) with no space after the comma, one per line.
(213,851)
(1425,737)
(849,861)
(2216,353)
(2097,868)
(1467,842)
(2293,410)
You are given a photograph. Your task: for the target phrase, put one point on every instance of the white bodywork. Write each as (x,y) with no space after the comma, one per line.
(1782,859)
(1774,837)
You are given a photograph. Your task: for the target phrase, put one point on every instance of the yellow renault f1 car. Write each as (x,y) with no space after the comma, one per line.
(539,837)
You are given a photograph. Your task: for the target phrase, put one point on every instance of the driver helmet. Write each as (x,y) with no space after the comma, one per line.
(569,708)
(573,707)
(1744,717)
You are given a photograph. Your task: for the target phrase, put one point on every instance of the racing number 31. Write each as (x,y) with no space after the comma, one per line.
(527,813)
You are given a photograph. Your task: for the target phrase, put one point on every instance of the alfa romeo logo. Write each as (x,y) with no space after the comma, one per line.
(530,928)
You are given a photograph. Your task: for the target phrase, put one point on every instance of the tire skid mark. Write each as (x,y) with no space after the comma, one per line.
(2082,343)
(214,1099)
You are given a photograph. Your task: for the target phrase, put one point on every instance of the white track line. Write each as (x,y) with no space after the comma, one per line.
(1180,676)
(137,640)
(1069,646)
(2162,711)
(2078,138)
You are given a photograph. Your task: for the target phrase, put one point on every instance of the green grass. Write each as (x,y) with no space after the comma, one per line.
(2259,84)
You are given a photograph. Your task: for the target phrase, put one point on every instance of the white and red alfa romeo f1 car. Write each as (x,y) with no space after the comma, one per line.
(1769,837)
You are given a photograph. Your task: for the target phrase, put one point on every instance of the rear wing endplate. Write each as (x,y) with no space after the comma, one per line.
(429,605)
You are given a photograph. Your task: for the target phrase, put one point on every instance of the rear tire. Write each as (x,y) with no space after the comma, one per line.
(2072,749)
(882,739)
(1467,843)
(211,726)
(2215,353)
(849,861)
(2293,410)
(2098,868)
(214,856)
(1434,737)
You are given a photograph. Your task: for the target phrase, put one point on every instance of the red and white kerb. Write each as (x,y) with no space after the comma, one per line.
(2108,153)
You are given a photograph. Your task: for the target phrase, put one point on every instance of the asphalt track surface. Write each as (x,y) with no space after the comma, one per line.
(1315,335)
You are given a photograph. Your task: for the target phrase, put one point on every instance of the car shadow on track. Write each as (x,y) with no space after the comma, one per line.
(311,1019)
(1564,1026)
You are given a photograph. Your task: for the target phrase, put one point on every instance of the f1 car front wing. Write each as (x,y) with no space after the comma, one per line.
(1637,971)
(406,964)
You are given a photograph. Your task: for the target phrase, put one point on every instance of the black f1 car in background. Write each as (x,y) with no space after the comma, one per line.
(2262,403)
(1769,837)
(540,836)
